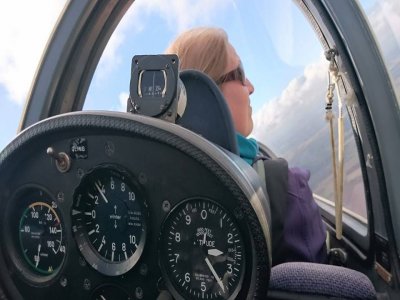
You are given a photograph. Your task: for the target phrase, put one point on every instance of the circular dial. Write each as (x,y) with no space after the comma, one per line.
(41,234)
(202,253)
(153,83)
(109,220)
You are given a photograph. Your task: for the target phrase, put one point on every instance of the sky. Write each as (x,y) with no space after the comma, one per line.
(279,50)
(23,36)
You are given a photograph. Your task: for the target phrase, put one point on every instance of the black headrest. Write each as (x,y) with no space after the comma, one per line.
(206,111)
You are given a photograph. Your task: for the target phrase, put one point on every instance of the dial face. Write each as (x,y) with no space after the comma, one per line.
(108,218)
(202,253)
(153,83)
(41,234)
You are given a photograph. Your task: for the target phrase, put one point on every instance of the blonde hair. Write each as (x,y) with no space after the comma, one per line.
(203,49)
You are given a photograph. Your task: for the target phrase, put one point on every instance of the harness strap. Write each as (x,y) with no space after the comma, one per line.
(258,165)
(274,173)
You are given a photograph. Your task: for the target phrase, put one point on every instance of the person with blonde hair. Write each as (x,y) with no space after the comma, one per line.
(208,50)
(298,233)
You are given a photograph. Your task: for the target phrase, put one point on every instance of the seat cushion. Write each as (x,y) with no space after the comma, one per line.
(319,279)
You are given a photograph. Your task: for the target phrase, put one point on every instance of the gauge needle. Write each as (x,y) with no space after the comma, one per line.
(215,274)
(38,255)
(214,252)
(204,239)
(101,192)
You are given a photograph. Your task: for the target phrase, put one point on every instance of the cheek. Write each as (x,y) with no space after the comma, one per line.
(237,99)
(233,103)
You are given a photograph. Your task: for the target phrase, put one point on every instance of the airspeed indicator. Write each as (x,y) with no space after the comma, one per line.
(41,237)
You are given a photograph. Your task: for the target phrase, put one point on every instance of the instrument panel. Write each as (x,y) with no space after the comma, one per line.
(111,214)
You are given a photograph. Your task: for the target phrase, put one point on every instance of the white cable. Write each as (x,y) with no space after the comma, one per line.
(339,206)
(338,170)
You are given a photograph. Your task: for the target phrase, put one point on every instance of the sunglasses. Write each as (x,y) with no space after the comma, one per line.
(237,74)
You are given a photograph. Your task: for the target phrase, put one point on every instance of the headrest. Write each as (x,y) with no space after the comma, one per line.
(206,111)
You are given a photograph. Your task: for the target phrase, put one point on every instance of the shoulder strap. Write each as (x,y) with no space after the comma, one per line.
(274,173)
(258,165)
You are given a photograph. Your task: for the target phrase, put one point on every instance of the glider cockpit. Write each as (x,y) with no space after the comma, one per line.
(103,204)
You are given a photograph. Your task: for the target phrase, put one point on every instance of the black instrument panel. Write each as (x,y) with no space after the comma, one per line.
(100,229)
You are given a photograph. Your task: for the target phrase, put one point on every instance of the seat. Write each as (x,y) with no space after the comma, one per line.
(206,111)
(301,280)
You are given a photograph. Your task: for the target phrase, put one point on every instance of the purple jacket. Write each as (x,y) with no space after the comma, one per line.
(304,234)
(298,233)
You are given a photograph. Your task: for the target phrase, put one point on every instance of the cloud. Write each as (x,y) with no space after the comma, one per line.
(23,36)
(110,58)
(122,98)
(178,15)
(181,15)
(293,117)
(286,32)
(280,120)
(385,22)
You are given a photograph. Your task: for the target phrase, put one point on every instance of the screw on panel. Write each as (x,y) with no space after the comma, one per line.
(144,269)
(109,148)
(82,261)
(139,292)
(166,206)
(142,178)
(369,161)
(86,284)
(63,281)
(80,173)
(60,197)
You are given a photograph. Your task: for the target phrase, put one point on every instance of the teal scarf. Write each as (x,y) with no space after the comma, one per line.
(248,148)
